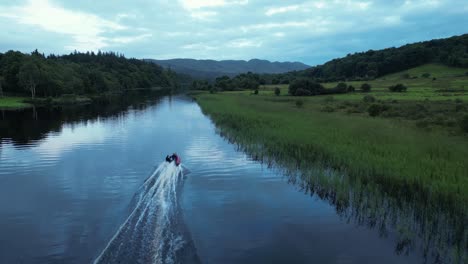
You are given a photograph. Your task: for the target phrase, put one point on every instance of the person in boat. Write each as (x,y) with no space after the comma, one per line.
(176,158)
(173,157)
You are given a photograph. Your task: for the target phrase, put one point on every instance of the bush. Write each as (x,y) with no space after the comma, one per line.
(299,103)
(397,88)
(464,124)
(277,91)
(256,91)
(365,87)
(302,92)
(375,109)
(311,86)
(342,86)
(426,75)
(351,89)
(327,109)
(368,99)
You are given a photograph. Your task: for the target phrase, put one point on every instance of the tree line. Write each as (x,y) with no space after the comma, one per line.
(362,66)
(244,81)
(372,64)
(79,73)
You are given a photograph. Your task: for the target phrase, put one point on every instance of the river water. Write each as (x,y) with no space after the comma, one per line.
(89,184)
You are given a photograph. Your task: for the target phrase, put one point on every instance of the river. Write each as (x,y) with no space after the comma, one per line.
(79,185)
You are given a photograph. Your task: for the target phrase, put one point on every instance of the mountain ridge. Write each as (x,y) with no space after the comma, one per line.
(212,69)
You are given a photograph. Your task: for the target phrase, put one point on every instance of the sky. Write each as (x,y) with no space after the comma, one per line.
(312,32)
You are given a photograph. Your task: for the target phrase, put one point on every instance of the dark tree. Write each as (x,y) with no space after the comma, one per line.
(397,88)
(311,86)
(1,86)
(28,77)
(365,87)
(277,91)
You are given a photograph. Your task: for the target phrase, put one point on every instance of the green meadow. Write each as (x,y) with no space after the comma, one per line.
(13,102)
(392,150)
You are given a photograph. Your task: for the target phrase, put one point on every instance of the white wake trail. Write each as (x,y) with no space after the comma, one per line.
(154,232)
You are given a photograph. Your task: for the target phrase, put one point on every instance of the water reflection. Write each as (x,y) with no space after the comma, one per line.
(26,127)
(437,230)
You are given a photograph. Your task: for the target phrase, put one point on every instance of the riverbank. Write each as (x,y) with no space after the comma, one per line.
(25,102)
(398,157)
(10,102)
(13,102)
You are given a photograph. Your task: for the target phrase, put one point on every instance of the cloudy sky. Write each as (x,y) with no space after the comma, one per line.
(295,30)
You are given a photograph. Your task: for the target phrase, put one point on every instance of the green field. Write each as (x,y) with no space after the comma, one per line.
(13,102)
(394,152)
(449,83)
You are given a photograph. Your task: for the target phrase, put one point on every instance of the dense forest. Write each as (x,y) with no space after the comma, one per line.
(79,73)
(372,64)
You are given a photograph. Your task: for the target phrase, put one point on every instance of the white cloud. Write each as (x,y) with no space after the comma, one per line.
(319,4)
(198,4)
(197,8)
(392,20)
(278,10)
(87,30)
(421,4)
(130,39)
(203,15)
(244,43)
(279,34)
(272,25)
(199,46)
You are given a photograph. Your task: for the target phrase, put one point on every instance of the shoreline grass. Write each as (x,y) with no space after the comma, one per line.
(13,102)
(398,157)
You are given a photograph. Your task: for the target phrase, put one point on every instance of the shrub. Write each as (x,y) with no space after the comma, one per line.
(327,109)
(212,90)
(434,78)
(329,99)
(256,91)
(375,109)
(277,91)
(365,87)
(426,75)
(368,99)
(302,92)
(342,86)
(405,76)
(351,89)
(397,88)
(464,124)
(299,103)
(313,87)
(353,110)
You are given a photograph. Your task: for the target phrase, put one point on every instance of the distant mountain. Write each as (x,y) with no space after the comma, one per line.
(210,69)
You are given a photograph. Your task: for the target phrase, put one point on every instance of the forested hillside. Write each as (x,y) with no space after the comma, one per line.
(371,64)
(78,73)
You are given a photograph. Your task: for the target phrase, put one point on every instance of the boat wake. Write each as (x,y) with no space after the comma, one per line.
(154,232)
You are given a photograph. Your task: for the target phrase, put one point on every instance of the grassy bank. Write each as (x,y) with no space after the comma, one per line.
(398,157)
(13,102)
